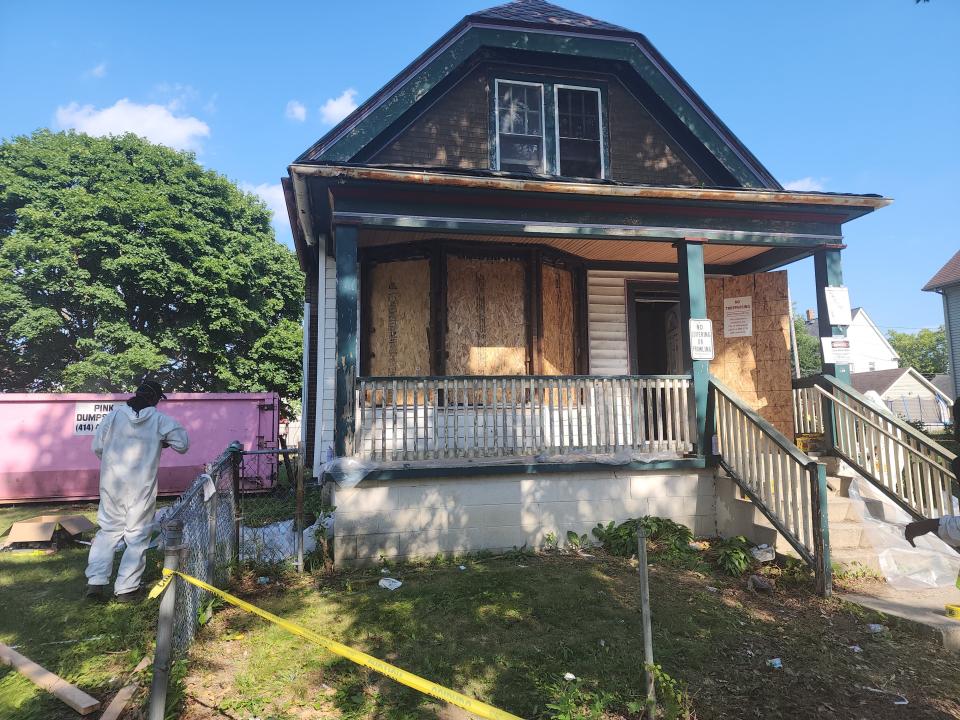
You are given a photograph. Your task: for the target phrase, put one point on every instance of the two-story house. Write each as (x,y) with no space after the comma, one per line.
(525,256)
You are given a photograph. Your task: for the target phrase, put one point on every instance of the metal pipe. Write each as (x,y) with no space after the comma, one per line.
(645,613)
(173,537)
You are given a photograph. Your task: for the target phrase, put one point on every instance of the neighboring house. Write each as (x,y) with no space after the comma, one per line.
(869,348)
(511,251)
(908,394)
(947,283)
(944,383)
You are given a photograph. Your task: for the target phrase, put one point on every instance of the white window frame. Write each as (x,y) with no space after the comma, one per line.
(543,113)
(556,123)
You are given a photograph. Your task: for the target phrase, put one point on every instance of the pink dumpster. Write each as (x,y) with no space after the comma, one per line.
(45,440)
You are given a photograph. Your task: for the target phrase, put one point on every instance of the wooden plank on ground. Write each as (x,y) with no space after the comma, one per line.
(54,684)
(122,698)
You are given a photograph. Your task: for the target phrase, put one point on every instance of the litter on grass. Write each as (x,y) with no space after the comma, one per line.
(569,676)
(875,628)
(775,663)
(389,583)
(763,553)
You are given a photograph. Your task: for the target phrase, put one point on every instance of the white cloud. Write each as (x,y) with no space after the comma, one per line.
(97,71)
(296,110)
(272,195)
(336,109)
(157,123)
(805,184)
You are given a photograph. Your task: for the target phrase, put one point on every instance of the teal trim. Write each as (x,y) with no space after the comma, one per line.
(828,272)
(408,473)
(821,532)
(627,50)
(348,287)
(693,306)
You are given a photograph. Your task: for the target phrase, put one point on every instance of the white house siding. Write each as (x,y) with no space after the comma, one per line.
(869,349)
(951,315)
(326,360)
(422,518)
(913,400)
(607,319)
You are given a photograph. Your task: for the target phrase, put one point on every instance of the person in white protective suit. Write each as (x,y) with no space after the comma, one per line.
(128,442)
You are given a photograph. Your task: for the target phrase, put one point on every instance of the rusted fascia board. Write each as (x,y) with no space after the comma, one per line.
(304,217)
(304,256)
(427,178)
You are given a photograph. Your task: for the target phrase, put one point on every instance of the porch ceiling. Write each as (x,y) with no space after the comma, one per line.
(631,251)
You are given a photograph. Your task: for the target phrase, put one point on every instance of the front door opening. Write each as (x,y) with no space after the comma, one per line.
(654,327)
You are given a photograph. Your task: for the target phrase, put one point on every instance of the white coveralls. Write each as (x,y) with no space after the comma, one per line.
(128,445)
(949,530)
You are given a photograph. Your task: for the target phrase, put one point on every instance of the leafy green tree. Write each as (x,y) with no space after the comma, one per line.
(808,348)
(119,257)
(924,351)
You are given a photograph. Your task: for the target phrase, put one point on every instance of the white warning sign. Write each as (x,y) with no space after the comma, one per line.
(87,415)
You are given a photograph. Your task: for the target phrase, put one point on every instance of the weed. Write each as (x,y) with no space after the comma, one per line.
(176,690)
(576,542)
(732,555)
(620,540)
(572,701)
(551,541)
(673,700)
(855,570)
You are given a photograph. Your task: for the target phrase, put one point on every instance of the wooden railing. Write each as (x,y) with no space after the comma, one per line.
(420,418)
(807,411)
(909,467)
(788,487)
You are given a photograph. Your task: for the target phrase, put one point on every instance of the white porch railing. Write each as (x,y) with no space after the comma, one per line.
(424,418)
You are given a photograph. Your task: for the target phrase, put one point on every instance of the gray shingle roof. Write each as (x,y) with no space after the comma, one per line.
(878,380)
(538,12)
(949,274)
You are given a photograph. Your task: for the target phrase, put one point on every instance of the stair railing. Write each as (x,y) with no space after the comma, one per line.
(786,485)
(907,466)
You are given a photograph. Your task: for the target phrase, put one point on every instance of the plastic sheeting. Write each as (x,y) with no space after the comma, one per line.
(931,564)
(277,542)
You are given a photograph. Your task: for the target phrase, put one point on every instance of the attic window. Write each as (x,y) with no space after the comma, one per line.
(520,127)
(578,132)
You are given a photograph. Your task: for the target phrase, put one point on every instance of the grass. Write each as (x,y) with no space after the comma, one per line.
(506,630)
(42,607)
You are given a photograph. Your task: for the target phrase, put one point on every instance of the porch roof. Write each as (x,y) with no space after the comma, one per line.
(745,230)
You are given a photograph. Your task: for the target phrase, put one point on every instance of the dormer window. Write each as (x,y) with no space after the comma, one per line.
(548,128)
(520,127)
(579,143)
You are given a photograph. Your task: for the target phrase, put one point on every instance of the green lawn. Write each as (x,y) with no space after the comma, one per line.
(41,606)
(507,630)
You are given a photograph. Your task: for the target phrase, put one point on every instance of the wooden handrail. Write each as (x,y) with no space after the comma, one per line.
(946,471)
(778,438)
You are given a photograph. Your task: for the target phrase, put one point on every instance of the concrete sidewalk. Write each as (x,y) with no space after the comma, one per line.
(921,606)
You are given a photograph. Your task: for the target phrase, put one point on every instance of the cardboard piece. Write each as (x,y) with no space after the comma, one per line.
(43,528)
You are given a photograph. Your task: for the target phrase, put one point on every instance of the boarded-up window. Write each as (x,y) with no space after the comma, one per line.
(558,321)
(399,333)
(486,318)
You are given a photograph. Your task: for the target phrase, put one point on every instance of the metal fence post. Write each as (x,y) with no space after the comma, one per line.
(821,529)
(298,516)
(236,460)
(645,612)
(173,537)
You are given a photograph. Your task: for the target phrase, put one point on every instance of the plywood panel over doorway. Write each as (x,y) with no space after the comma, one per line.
(399,335)
(486,317)
(757,368)
(559,336)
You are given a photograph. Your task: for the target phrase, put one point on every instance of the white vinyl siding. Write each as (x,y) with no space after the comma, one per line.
(951,314)
(868,347)
(326,361)
(607,319)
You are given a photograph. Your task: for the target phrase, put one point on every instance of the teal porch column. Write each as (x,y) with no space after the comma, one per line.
(348,287)
(829,273)
(693,306)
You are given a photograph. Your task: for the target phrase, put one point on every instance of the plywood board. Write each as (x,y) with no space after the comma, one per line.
(486,330)
(558,321)
(757,368)
(53,684)
(399,332)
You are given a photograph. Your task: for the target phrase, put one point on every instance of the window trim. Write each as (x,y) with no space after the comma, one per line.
(556,124)
(543,124)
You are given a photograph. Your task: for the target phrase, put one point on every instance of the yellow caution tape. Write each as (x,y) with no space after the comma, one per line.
(953,611)
(416,682)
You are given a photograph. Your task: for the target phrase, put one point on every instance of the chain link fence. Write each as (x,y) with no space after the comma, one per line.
(202,524)
(271,507)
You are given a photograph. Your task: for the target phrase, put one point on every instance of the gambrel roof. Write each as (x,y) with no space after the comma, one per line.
(535,26)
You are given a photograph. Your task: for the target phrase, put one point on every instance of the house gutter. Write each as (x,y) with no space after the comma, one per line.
(301,171)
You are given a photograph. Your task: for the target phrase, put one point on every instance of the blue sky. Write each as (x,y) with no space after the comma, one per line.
(852,96)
